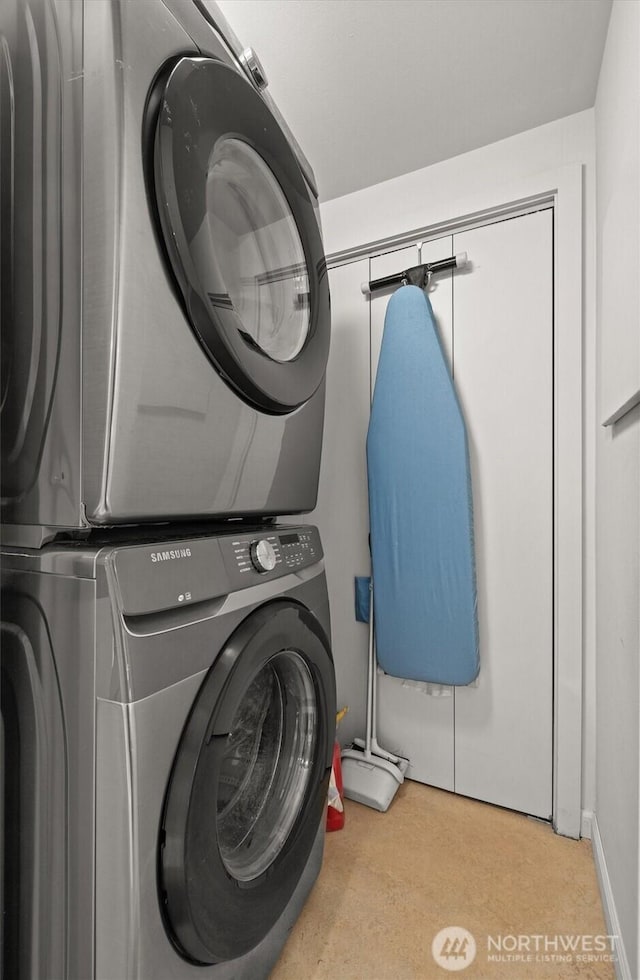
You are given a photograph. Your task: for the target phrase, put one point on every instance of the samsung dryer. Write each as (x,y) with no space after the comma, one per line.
(166,305)
(168,713)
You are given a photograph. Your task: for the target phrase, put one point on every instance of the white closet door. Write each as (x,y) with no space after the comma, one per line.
(503,350)
(492,742)
(410,721)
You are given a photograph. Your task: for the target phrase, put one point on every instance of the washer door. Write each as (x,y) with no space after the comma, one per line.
(248,788)
(33,786)
(240,230)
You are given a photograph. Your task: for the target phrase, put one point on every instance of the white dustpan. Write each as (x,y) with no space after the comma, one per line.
(370,775)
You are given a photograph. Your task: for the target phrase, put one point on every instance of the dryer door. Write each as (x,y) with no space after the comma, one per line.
(32,240)
(248,788)
(239,226)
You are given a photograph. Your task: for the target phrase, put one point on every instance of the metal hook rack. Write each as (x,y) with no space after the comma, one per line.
(418,275)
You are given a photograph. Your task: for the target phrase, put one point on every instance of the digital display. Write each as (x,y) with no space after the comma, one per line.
(289,538)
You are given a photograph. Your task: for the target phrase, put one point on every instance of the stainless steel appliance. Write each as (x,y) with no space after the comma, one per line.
(168,712)
(165,305)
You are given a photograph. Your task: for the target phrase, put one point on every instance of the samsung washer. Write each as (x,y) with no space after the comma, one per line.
(168,714)
(164,287)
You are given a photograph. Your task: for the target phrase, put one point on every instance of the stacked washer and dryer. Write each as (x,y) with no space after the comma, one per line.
(168,690)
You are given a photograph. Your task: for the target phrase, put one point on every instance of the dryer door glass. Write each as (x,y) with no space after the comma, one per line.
(247,795)
(258,249)
(239,227)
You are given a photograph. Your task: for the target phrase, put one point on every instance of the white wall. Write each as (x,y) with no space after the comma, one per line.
(464,185)
(459,185)
(617,115)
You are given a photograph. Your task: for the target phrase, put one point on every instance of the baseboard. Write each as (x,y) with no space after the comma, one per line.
(586,820)
(623,970)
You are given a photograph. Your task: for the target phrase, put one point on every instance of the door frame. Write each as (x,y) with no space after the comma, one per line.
(561,189)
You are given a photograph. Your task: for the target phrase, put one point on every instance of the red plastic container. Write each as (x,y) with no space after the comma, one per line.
(335,808)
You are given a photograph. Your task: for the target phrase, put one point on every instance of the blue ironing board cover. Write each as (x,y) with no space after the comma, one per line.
(420,505)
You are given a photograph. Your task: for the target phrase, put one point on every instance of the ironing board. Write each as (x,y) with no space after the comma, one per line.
(420,505)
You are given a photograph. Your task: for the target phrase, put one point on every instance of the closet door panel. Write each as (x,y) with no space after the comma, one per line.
(412,722)
(503,349)
(419,727)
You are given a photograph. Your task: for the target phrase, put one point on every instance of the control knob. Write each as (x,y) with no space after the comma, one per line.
(263,555)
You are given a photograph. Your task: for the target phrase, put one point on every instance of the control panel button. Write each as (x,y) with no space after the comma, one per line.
(263,555)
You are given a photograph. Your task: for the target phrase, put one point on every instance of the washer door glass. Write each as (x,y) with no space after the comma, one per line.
(238,224)
(247,795)
(267,765)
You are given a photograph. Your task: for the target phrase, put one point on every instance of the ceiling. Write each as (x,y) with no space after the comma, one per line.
(376,88)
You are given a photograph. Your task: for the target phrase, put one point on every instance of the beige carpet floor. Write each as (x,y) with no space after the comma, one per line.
(390,882)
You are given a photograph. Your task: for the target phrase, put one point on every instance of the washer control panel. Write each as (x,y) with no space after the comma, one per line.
(165,573)
(286,549)
(299,547)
